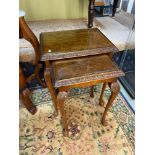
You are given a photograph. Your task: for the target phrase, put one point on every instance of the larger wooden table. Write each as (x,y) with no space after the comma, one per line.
(78,58)
(74,43)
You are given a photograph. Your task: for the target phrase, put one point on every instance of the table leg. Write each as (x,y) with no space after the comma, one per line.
(114,7)
(60,100)
(92,91)
(25,92)
(47,77)
(101,101)
(91,13)
(101,10)
(115,88)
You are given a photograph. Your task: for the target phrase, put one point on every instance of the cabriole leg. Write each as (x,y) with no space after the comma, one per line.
(61,100)
(115,88)
(47,77)
(101,101)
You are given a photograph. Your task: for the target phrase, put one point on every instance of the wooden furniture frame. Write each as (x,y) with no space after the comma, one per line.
(64,75)
(114,7)
(78,58)
(26,33)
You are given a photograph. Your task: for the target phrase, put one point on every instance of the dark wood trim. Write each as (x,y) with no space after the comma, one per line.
(91,9)
(25,92)
(114,7)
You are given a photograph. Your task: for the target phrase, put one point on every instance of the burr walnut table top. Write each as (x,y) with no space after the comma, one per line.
(84,69)
(74,43)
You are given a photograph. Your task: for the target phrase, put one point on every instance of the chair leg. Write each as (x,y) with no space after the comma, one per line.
(51,89)
(92,91)
(24,95)
(101,101)
(60,100)
(115,88)
(25,92)
(101,10)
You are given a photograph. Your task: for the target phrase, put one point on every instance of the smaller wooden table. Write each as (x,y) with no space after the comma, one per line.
(82,72)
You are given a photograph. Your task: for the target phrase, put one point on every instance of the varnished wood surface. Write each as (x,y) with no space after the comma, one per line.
(74,43)
(84,69)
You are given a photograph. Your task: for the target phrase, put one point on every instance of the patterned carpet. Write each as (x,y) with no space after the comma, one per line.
(41,134)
